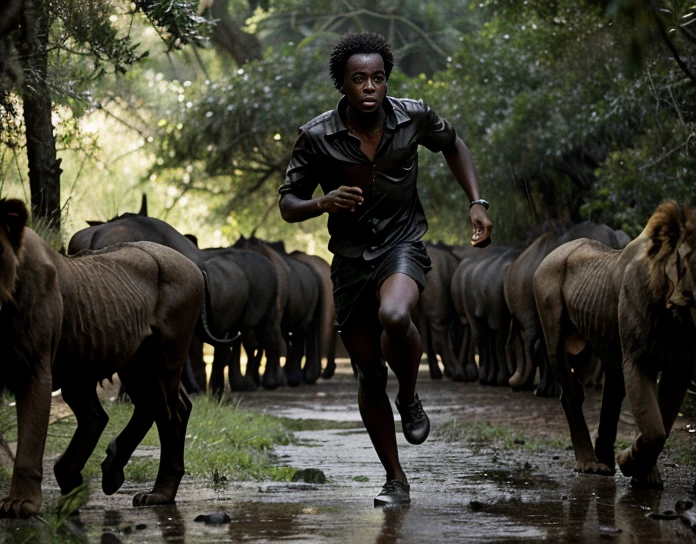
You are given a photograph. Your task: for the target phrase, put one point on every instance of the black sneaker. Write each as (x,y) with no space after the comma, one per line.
(394,492)
(414,421)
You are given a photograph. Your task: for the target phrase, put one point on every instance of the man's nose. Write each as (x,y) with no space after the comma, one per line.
(369,86)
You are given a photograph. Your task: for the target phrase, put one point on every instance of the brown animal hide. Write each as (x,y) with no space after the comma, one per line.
(634,308)
(68,322)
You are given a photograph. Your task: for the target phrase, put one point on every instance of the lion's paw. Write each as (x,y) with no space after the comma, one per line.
(18,508)
(151,499)
(652,481)
(605,455)
(594,467)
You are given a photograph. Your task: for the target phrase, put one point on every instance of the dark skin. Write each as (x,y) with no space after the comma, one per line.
(389,331)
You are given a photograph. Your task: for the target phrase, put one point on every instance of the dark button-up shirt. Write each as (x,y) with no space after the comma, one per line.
(326,154)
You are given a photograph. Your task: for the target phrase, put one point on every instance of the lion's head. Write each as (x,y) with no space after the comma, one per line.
(671,254)
(13,219)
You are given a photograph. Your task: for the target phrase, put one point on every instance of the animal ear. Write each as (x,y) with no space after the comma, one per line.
(94,223)
(13,219)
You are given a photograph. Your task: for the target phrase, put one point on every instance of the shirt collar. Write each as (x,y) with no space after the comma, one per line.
(395,116)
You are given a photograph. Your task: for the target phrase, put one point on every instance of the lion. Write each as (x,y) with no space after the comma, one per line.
(634,308)
(70,322)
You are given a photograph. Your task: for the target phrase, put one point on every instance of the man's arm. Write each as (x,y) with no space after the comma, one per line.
(295,209)
(462,167)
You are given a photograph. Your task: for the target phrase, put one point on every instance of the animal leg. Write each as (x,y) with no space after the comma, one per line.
(492,369)
(312,365)
(121,448)
(33,408)
(273,374)
(515,349)
(612,398)
(443,345)
(172,433)
(293,362)
(548,386)
(466,357)
(221,359)
(502,375)
(484,349)
(639,460)
(433,365)
(138,380)
(91,422)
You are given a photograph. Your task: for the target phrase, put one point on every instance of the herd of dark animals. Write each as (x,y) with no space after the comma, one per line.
(279,304)
(282,305)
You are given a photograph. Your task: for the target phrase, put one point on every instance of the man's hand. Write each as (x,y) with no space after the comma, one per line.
(482,226)
(343,198)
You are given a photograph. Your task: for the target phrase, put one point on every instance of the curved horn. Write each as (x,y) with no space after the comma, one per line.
(202,329)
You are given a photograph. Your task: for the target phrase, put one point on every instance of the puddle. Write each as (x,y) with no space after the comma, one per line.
(458,495)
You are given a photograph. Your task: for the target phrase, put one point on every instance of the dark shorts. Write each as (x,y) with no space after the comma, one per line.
(357,281)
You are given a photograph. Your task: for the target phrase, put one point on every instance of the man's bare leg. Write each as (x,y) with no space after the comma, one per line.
(403,349)
(362,340)
(401,342)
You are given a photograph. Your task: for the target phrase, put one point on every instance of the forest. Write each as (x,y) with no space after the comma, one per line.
(572,110)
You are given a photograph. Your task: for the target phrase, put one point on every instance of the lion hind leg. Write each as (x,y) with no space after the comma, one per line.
(91,422)
(172,433)
(612,398)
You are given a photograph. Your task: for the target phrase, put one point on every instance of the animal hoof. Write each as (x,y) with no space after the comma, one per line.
(67,481)
(515,380)
(151,499)
(329,371)
(112,476)
(435,373)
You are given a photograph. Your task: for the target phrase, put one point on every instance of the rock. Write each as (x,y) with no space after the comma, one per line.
(217,518)
(609,530)
(667,515)
(683,505)
(310,476)
(689,519)
(125,528)
(476,506)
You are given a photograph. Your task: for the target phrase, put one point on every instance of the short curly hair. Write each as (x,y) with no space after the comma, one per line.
(356,43)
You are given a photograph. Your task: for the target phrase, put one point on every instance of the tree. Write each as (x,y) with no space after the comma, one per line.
(48,37)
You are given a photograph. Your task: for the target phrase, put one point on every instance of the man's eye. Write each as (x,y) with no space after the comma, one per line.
(357,79)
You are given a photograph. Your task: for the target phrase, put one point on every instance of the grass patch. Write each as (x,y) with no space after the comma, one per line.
(296,425)
(481,434)
(223,443)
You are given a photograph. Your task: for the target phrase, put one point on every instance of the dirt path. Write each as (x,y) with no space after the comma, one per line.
(460,492)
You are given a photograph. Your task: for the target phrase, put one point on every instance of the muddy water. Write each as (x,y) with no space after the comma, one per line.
(459,494)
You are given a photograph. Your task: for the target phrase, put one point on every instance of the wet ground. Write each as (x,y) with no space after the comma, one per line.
(460,493)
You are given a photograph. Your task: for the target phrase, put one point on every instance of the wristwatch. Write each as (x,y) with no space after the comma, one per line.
(480,201)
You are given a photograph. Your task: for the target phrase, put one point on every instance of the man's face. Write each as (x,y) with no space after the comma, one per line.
(365,82)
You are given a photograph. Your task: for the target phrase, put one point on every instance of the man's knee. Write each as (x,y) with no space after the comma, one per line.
(395,319)
(373,382)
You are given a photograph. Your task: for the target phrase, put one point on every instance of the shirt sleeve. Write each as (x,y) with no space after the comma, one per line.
(300,177)
(438,134)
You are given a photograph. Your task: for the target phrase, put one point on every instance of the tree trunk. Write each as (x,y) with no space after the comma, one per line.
(44,167)
(242,47)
